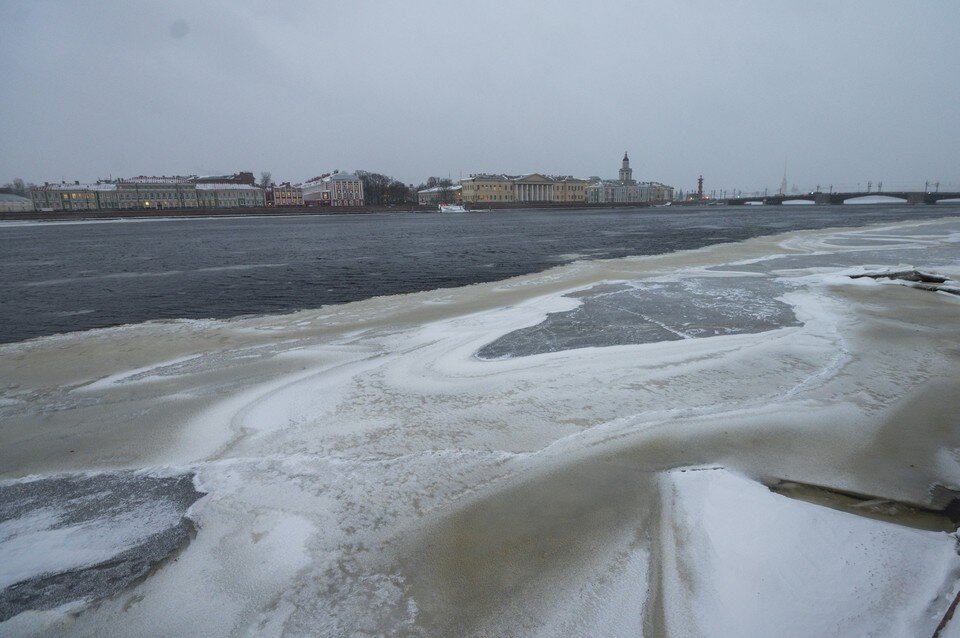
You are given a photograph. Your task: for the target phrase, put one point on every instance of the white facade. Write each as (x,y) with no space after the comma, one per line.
(626,190)
(145,193)
(10,203)
(285,195)
(75,196)
(229,196)
(440,195)
(154,193)
(333,189)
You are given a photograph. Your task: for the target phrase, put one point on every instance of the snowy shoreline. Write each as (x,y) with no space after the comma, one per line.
(602,472)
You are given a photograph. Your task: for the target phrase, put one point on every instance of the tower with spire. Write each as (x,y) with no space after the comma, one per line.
(783,184)
(626,173)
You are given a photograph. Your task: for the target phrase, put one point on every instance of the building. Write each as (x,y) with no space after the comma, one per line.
(618,191)
(441,195)
(148,193)
(655,192)
(626,190)
(570,189)
(229,195)
(75,196)
(333,189)
(532,188)
(545,189)
(10,203)
(243,177)
(284,195)
(153,193)
(484,187)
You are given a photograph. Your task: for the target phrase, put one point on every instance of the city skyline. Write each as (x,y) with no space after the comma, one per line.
(845,94)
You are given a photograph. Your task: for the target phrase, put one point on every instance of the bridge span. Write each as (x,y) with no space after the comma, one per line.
(909,197)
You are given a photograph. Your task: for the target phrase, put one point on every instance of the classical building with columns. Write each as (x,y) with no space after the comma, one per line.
(532,188)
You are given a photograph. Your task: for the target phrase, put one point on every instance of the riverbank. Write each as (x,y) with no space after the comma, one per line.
(286,211)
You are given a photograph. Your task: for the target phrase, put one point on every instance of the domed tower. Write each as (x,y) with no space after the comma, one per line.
(626,173)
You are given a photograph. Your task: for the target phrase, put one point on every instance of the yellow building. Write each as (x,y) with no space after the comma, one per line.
(532,188)
(487,188)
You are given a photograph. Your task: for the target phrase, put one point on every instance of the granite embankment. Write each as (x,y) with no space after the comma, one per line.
(70,215)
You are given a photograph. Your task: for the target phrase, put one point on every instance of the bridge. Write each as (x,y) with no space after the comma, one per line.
(909,197)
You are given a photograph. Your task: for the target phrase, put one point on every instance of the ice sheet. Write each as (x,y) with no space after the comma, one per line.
(642,312)
(740,560)
(367,473)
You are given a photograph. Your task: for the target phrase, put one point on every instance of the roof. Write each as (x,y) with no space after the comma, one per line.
(145,179)
(438,189)
(342,177)
(330,177)
(105,186)
(489,177)
(236,187)
(500,177)
(15,199)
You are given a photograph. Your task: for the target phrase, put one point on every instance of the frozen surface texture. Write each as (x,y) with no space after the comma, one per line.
(75,538)
(598,469)
(650,312)
(740,560)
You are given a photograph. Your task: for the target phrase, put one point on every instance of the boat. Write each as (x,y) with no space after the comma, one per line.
(452,208)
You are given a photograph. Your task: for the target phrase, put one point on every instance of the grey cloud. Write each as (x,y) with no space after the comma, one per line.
(841,92)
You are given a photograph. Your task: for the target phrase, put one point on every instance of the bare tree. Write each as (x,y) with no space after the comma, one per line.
(16,187)
(265,180)
(380,190)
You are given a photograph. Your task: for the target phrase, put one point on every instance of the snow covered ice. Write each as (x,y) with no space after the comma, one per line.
(82,537)
(583,451)
(611,315)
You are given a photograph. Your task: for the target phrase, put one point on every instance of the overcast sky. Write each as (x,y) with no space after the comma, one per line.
(840,91)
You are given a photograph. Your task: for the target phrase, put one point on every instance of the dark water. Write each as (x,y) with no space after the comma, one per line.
(64,277)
